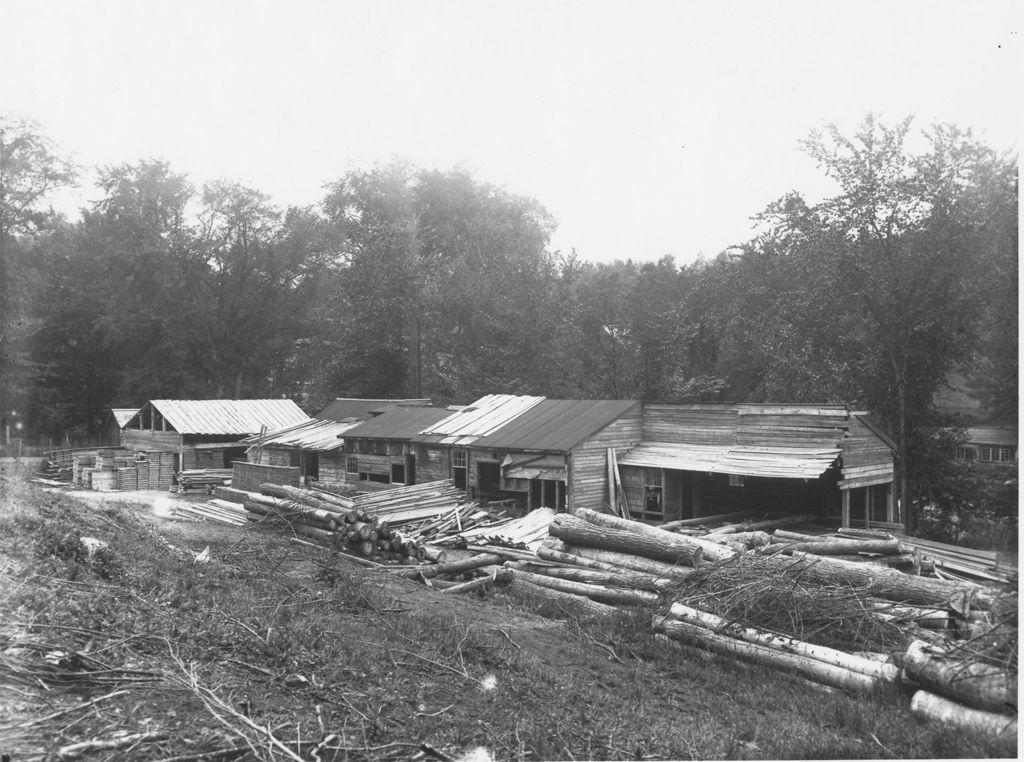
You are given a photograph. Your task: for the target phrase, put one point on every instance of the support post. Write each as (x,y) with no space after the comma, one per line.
(846,508)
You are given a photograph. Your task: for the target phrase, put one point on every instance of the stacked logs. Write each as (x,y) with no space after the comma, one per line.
(326,520)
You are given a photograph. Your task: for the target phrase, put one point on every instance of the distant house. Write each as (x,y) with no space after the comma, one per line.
(205,433)
(115,420)
(316,446)
(990,445)
(704,459)
(539,451)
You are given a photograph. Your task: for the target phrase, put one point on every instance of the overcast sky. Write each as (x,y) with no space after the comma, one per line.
(646,128)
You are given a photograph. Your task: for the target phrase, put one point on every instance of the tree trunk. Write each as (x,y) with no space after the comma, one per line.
(838,547)
(977,685)
(566,599)
(959,717)
(596,592)
(783,521)
(881,671)
(579,532)
(622,579)
(453,568)
(610,560)
(815,670)
(709,550)
(880,581)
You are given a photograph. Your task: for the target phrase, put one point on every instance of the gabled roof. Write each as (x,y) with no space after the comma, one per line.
(555,425)
(349,408)
(399,422)
(745,460)
(998,436)
(123,414)
(483,417)
(313,434)
(225,416)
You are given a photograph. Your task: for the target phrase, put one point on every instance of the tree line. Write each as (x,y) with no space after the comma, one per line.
(406,281)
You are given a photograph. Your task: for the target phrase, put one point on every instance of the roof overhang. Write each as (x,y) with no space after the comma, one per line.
(743,460)
(551,467)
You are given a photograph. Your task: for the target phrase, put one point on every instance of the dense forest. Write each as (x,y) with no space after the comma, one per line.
(407,281)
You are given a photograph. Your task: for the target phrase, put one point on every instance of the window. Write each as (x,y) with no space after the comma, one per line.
(351,465)
(996,454)
(398,473)
(460,463)
(965,452)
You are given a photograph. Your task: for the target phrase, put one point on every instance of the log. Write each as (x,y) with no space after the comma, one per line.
(494,576)
(567,599)
(784,535)
(811,668)
(700,520)
(980,686)
(880,671)
(958,716)
(455,567)
(838,547)
(596,592)
(709,550)
(928,618)
(304,500)
(880,581)
(785,521)
(743,540)
(623,579)
(614,559)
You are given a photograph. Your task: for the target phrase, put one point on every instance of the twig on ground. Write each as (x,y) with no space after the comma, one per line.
(68,710)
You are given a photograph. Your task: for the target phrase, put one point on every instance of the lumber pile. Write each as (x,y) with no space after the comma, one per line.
(223,511)
(203,478)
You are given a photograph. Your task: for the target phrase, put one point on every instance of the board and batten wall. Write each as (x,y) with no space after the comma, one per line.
(588,461)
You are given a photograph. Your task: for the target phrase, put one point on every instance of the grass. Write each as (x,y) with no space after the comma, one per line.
(275,648)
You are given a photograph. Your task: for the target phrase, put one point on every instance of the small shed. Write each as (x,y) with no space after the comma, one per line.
(206,433)
(702,459)
(316,446)
(116,419)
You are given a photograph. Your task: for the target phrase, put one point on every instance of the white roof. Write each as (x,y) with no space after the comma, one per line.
(483,417)
(744,460)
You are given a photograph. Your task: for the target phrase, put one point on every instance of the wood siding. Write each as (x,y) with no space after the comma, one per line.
(332,467)
(690,424)
(588,469)
(151,441)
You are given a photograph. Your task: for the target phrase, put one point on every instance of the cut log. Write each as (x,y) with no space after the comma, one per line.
(980,686)
(306,499)
(958,716)
(701,520)
(596,592)
(566,600)
(784,535)
(884,672)
(743,540)
(455,567)
(812,668)
(624,579)
(495,576)
(709,551)
(612,559)
(784,521)
(880,581)
(834,547)
(579,532)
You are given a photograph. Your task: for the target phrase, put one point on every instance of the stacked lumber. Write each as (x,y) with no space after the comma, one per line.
(980,564)
(203,478)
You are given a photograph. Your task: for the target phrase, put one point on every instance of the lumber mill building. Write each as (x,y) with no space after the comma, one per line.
(205,433)
(701,459)
(315,449)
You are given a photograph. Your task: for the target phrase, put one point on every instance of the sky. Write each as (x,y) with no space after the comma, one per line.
(646,128)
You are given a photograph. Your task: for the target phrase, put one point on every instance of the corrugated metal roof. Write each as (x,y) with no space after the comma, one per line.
(123,414)
(346,408)
(399,422)
(313,434)
(555,425)
(227,416)
(743,460)
(483,417)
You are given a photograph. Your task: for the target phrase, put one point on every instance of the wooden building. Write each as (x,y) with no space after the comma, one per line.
(205,433)
(316,447)
(539,451)
(116,419)
(703,459)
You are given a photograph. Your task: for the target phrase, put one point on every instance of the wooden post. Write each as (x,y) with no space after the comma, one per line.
(890,508)
(846,508)
(612,505)
(558,494)
(867,507)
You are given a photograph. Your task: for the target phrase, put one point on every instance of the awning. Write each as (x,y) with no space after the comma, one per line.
(744,460)
(550,467)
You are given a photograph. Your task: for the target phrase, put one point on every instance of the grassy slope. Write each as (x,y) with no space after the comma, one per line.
(274,634)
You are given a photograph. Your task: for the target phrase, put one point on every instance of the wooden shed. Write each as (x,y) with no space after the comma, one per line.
(702,459)
(115,420)
(538,451)
(205,433)
(316,447)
